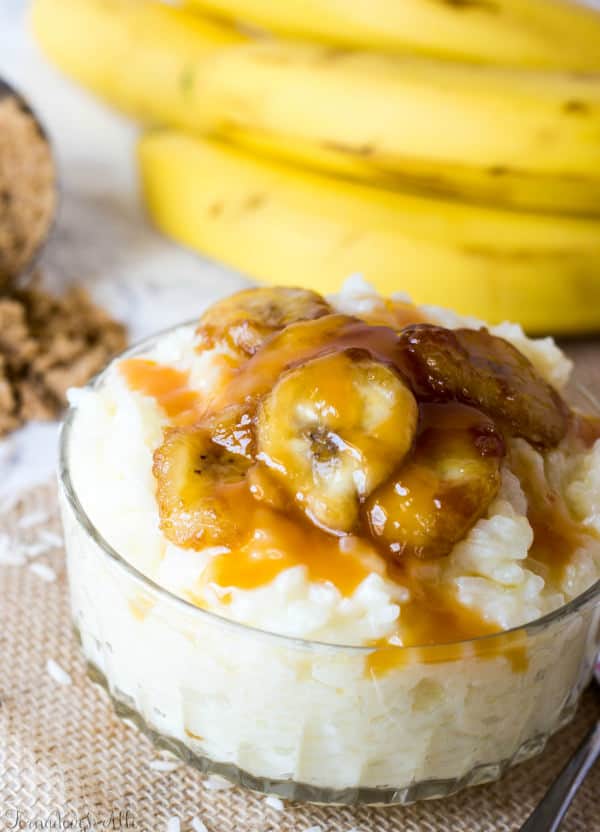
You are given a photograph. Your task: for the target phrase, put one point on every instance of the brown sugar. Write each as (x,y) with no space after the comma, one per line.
(27,189)
(48,344)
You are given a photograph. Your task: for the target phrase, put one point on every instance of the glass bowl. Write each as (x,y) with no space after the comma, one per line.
(313,721)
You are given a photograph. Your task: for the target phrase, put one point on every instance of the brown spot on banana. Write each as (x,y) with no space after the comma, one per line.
(576,107)
(215,209)
(479,5)
(519,254)
(364,150)
(254,201)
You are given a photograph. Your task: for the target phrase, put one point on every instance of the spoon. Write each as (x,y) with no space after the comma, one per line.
(549,814)
(41,223)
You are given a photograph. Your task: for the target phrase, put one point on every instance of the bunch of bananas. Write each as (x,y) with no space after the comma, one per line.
(450,149)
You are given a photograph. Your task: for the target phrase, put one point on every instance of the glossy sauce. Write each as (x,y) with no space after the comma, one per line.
(585,428)
(556,535)
(303,341)
(168,386)
(279,537)
(277,543)
(437,623)
(394,313)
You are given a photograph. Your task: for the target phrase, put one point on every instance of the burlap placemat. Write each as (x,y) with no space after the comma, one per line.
(67,762)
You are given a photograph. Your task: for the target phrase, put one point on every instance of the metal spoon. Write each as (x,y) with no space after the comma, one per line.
(25,269)
(549,814)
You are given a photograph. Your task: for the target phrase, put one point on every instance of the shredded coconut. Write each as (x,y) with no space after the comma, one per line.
(33,550)
(53,540)
(173,825)
(10,553)
(198,825)
(164,765)
(43,571)
(34,518)
(56,672)
(216,784)
(274,802)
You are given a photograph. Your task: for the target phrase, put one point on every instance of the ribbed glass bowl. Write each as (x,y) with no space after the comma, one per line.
(313,721)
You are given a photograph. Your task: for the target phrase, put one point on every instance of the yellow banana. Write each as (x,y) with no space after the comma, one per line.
(389,109)
(524,138)
(285,226)
(138,56)
(577,195)
(543,33)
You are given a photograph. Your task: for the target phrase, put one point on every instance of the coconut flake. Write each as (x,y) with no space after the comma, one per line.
(10,552)
(198,825)
(52,539)
(35,549)
(57,673)
(173,825)
(274,802)
(34,518)
(163,765)
(43,571)
(216,783)
(314,829)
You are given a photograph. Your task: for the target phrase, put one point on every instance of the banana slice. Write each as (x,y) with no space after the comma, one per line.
(477,368)
(445,487)
(233,429)
(201,489)
(333,429)
(246,319)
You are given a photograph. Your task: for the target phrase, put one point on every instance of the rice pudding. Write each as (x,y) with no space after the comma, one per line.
(341,549)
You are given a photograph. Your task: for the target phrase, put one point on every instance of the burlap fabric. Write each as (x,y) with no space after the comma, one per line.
(66,761)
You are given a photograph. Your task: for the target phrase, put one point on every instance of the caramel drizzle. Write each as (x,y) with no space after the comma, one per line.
(431,618)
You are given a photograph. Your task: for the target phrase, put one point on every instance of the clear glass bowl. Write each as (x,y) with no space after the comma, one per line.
(312,721)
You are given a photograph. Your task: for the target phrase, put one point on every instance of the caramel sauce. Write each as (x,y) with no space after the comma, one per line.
(510,646)
(277,536)
(193,736)
(556,535)
(437,623)
(585,428)
(277,543)
(140,606)
(168,386)
(303,341)
(395,313)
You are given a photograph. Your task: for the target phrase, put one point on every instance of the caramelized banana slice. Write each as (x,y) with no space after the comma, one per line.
(477,368)
(445,487)
(334,428)
(201,489)
(246,319)
(233,429)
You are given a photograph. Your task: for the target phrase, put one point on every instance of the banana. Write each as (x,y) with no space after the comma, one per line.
(392,109)
(244,320)
(495,185)
(332,430)
(200,489)
(544,33)
(138,56)
(285,225)
(476,368)
(527,137)
(433,500)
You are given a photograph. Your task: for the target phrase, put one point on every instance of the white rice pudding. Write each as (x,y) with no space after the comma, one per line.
(335,718)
